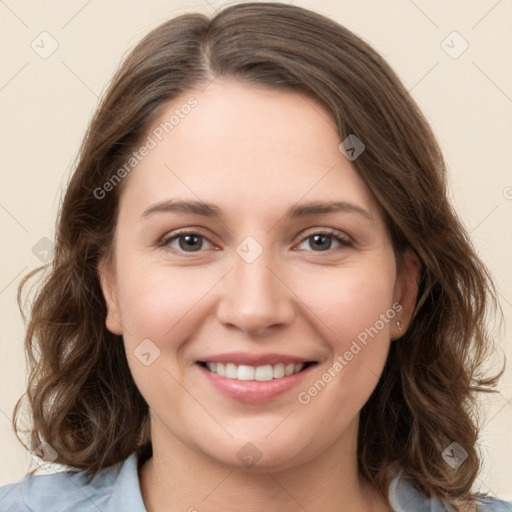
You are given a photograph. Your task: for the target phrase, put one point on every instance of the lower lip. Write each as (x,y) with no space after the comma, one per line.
(254,391)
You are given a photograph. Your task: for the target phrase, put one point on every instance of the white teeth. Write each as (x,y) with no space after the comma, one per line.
(278,371)
(245,372)
(264,372)
(260,373)
(230,371)
(220,369)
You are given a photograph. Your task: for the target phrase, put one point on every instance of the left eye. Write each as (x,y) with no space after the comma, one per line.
(319,239)
(193,242)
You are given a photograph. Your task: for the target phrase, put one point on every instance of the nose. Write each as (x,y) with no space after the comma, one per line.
(255,296)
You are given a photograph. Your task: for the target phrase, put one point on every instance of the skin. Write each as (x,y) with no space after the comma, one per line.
(255,153)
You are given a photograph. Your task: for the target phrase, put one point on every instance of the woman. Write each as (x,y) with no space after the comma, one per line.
(261,297)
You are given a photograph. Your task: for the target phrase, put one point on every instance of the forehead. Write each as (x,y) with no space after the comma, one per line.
(245,146)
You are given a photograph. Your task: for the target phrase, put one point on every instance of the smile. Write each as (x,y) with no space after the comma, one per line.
(260,373)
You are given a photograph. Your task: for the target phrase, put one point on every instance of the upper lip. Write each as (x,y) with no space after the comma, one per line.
(245,358)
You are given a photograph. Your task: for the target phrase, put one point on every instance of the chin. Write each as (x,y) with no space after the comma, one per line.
(260,455)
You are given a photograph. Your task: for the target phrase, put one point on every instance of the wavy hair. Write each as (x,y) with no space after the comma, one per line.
(82,398)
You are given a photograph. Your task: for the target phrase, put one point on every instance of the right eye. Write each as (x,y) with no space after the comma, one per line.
(185,240)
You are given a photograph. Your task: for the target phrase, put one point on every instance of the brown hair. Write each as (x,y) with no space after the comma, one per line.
(81,392)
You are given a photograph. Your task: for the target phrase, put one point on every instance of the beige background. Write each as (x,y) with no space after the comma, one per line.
(46,104)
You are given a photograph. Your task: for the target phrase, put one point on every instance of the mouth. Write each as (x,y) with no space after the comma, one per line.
(254,378)
(261,373)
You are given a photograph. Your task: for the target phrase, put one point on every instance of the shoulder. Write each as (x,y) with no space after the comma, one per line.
(116,488)
(405,497)
(488,504)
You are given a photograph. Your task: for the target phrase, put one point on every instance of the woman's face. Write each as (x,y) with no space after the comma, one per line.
(258,284)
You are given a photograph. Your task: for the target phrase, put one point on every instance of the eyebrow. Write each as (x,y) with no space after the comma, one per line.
(297,211)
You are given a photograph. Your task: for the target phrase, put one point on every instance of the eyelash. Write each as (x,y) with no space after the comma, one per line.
(343,240)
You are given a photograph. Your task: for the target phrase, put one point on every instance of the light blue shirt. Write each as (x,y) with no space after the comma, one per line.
(117,489)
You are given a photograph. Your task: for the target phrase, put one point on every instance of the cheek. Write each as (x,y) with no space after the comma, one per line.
(350,300)
(354,316)
(158,301)
(159,307)
(154,299)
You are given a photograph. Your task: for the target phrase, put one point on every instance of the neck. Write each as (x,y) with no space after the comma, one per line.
(177,478)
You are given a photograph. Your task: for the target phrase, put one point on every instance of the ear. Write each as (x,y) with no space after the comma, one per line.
(108,285)
(406,291)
